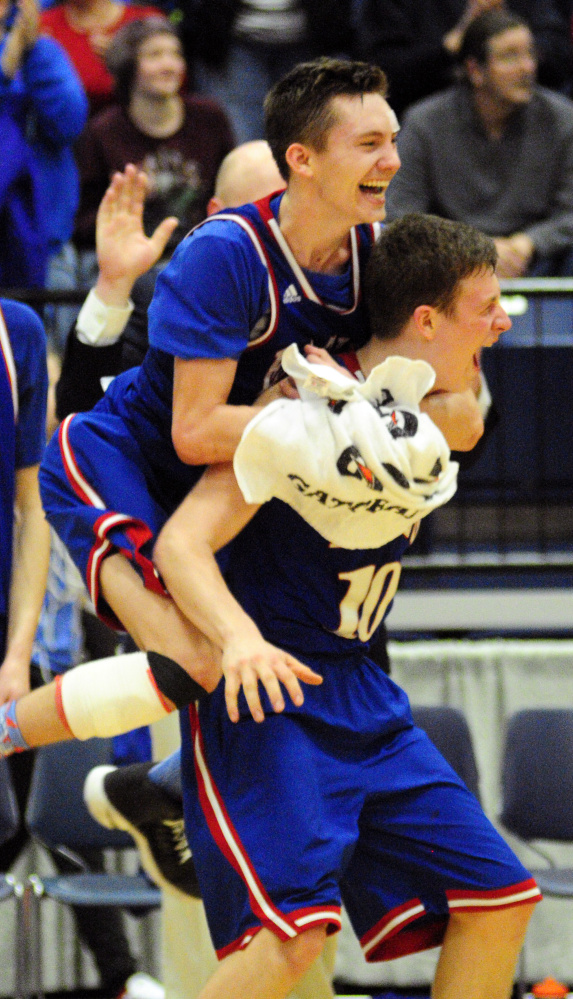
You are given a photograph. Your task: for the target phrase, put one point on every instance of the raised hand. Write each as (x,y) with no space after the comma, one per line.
(124,251)
(453,40)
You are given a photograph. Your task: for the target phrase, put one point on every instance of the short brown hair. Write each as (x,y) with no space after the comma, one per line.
(299,107)
(484,27)
(420,260)
(123,51)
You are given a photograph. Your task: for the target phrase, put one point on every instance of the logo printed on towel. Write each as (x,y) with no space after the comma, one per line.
(351,462)
(331,502)
(291,295)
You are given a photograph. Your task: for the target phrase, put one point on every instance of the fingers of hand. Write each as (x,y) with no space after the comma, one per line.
(316,353)
(288,388)
(163,233)
(249,680)
(271,672)
(232,687)
(304,673)
(246,675)
(278,668)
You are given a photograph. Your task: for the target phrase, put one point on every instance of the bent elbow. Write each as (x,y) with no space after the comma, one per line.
(190,446)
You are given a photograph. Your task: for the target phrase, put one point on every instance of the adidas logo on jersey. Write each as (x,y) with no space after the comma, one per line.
(291,295)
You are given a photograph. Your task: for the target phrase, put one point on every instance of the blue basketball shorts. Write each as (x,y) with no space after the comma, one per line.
(96,496)
(286,823)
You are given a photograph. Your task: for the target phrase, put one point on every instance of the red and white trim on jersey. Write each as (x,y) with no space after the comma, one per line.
(390,924)
(350,361)
(239,944)
(134,529)
(262,254)
(77,480)
(305,285)
(264,209)
(394,936)
(376,229)
(525,893)
(6,352)
(285,926)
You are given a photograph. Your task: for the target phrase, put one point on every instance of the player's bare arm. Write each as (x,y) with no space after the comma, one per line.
(206,431)
(213,514)
(28,584)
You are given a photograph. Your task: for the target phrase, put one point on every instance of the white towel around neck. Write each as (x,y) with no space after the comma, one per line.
(358,461)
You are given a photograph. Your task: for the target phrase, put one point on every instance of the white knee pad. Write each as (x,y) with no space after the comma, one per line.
(111,696)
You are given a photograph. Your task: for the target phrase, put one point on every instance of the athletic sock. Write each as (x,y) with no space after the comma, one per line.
(11,738)
(167,774)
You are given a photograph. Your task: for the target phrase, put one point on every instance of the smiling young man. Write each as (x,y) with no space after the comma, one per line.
(179,139)
(508,145)
(238,290)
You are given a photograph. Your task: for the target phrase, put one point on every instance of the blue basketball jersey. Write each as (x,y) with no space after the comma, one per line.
(323,604)
(307,595)
(232,289)
(23,394)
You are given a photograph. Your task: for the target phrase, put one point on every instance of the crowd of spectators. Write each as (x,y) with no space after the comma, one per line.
(87,86)
(494,129)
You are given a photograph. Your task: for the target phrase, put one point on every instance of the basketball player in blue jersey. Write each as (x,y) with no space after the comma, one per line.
(237,291)
(109,696)
(291,590)
(340,799)
(24,551)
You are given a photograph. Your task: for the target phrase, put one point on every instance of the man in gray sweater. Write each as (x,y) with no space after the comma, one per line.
(496,151)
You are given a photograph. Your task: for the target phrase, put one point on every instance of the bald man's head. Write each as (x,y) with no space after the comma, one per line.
(247,173)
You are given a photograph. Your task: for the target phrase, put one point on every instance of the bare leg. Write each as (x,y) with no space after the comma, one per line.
(268,968)
(317,982)
(479,954)
(155,624)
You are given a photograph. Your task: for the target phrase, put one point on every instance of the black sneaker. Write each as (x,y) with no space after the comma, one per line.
(125,798)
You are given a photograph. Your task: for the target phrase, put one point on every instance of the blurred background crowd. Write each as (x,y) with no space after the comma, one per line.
(87,86)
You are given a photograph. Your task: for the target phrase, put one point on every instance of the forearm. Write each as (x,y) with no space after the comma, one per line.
(213,513)
(28,585)
(185,556)
(12,54)
(195,583)
(213,437)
